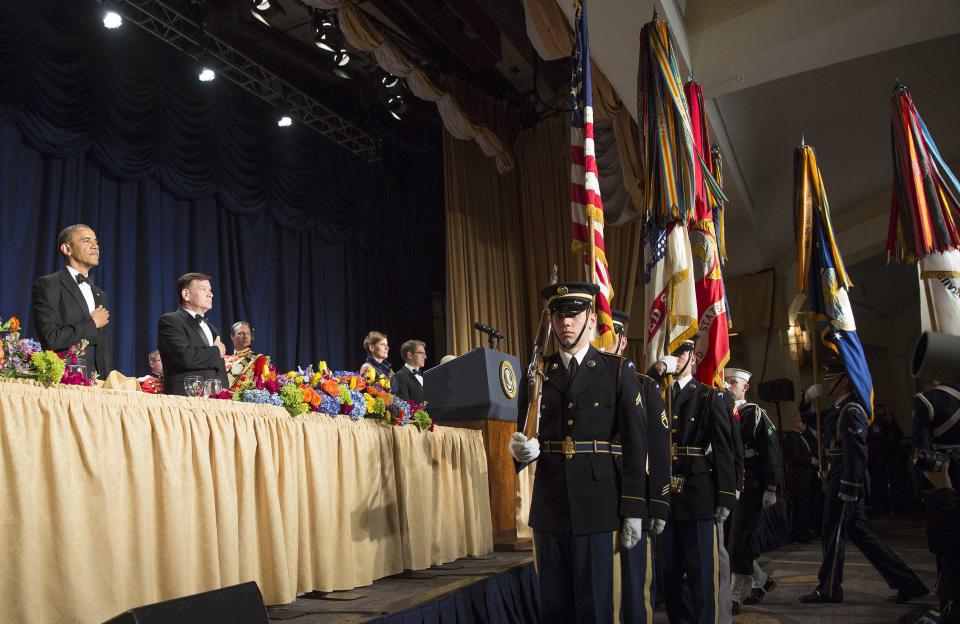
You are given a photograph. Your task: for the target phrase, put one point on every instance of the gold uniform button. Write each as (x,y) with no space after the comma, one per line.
(570,423)
(674,417)
(570,405)
(673,431)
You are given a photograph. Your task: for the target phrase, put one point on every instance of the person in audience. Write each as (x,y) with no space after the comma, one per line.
(447,358)
(240,364)
(66,307)
(241,334)
(188,343)
(407,383)
(377,348)
(152,383)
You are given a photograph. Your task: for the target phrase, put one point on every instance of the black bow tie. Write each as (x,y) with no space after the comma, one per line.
(416,371)
(200,317)
(81,279)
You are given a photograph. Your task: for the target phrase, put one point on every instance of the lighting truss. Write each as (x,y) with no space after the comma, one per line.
(172,27)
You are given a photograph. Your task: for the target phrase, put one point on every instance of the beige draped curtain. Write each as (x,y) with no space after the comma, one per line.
(504,233)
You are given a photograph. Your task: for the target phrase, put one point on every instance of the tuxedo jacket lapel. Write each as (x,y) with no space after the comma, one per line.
(71,286)
(192,323)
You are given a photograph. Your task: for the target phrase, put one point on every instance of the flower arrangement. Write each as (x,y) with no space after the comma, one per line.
(22,358)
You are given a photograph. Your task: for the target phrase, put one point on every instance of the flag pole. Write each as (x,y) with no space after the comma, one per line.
(811,329)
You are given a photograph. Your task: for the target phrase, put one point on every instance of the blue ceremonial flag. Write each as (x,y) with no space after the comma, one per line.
(822,276)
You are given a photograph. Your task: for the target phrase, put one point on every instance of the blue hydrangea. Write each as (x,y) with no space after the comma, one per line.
(260,396)
(329,405)
(359,409)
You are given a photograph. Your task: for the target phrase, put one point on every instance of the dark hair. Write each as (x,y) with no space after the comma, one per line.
(66,234)
(233,328)
(409,347)
(186,279)
(371,339)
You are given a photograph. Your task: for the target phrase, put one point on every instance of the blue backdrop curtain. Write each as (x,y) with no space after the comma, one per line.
(111,128)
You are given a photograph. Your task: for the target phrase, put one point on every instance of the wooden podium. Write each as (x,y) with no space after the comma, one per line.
(478,390)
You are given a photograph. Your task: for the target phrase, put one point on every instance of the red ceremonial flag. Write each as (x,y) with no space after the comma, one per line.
(713,346)
(586,204)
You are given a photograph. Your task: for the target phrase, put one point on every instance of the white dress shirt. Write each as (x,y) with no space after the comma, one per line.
(416,374)
(84,289)
(582,353)
(204,328)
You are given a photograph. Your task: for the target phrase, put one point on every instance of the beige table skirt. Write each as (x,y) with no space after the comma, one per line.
(110,500)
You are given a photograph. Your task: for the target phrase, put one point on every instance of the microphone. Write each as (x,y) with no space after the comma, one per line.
(486,329)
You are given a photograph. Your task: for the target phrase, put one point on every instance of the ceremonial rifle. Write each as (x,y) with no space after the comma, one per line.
(535,376)
(812,329)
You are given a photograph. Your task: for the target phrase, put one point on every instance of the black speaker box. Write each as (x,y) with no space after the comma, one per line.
(777,390)
(238,604)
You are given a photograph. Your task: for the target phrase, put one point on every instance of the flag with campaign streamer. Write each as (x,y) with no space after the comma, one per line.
(821,275)
(925,216)
(713,346)
(669,180)
(585,201)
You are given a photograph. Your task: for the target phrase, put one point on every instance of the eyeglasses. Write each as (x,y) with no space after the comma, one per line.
(419,352)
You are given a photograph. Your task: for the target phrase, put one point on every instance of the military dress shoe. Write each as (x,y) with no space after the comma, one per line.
(757,594)
(903,597)
(815,597)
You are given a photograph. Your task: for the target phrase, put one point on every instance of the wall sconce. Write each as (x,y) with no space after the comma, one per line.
(798,339)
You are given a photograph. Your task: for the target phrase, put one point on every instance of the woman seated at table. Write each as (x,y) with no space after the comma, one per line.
(377,350)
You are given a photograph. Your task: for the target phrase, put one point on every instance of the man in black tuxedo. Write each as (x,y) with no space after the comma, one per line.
(68,308)
(188,343)
(408,382)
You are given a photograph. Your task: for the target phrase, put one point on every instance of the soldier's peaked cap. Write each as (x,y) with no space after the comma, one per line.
(620,321)
(570,297)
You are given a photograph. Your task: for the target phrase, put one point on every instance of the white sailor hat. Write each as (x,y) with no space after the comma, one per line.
(737,373)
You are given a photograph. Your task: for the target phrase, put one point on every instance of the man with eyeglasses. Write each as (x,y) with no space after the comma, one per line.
(407,383)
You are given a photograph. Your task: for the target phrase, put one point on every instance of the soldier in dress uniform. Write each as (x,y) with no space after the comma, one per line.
(935,428)
(581,495)
(637,564)
(845,445)
(761,461)
(702,492)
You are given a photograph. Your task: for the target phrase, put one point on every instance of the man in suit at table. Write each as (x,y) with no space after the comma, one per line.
(66,307)
(188,343)
(408,382)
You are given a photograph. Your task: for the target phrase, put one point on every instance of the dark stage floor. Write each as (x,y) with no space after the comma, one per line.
(794,567)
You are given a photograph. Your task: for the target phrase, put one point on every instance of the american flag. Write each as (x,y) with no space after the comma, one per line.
(585,201)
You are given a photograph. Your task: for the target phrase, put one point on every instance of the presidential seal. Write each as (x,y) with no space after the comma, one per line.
(508,379)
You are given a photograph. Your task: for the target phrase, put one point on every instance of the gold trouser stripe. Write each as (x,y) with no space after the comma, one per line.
(617,580)
(536,567)
(716,578)
(647,579)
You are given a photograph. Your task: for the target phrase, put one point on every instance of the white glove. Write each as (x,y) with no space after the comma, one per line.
(522,449)
(670,362)
(632,532)
(847,498)
(769,499)
(813,392)
(720,514)
(656,525)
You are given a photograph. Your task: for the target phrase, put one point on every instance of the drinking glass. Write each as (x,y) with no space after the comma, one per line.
(212,387)
(193,385)
(79,367)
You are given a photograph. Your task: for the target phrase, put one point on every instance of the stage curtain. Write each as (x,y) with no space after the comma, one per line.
(313,246)
(114,500)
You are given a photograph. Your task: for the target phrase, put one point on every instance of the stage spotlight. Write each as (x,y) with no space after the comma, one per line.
(206,74)
(341,58)
(265,9)
(285,121)
(397,106)
(389,80)
(111,18)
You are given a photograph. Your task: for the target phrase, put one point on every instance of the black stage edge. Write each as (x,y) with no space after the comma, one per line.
(499,590)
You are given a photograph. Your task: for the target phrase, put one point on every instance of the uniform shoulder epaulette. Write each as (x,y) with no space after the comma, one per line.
(645,377)
(612,355)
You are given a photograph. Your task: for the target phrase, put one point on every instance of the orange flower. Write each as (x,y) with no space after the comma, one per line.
(14,324)
(331,386)
(310,396)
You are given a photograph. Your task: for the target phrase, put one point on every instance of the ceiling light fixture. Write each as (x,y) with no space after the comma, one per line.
(341,58)
(206,74)
(389,81)
(265,9)
(397,106)
(111,18)
(285,121)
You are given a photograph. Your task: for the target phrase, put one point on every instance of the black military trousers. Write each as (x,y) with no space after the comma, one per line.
(843,521)
(636,582)
(688,560)
(801,514)
(576,577)
(743,531)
